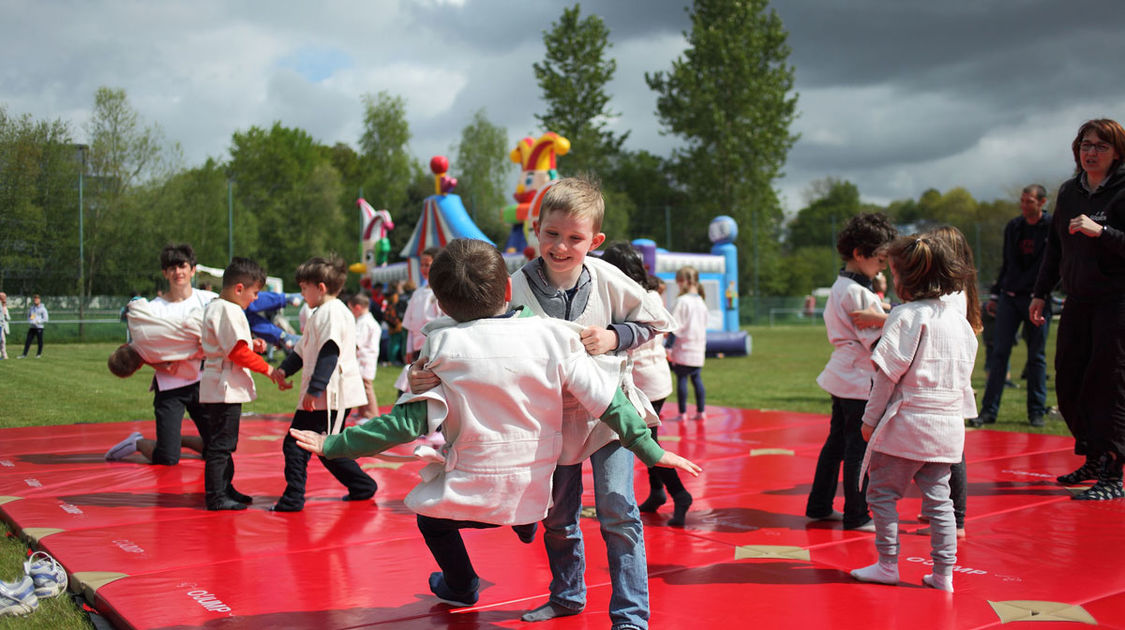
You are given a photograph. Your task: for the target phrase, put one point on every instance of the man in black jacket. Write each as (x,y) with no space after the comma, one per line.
(1025,239)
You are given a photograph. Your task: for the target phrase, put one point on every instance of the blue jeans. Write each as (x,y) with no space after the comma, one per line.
(1011,311)
(621,529)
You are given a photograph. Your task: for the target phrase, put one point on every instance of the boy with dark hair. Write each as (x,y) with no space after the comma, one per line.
(166,344)
(330,387)
(229,356)
(862,245)
(175,387)
(506,445)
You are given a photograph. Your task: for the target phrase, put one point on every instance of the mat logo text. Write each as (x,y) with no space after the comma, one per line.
(208,601)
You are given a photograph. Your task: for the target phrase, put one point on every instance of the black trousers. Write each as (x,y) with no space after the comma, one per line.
(220,439)
(169,406)
(33,333)
(359,484)
(1090,375)
(845,445)
(443,537)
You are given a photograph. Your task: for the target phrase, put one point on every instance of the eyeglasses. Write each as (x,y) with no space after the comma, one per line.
(1101,147)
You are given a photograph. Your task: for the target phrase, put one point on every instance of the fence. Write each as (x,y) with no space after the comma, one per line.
(99,319)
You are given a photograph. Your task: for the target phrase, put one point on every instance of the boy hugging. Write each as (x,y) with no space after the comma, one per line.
(503,374)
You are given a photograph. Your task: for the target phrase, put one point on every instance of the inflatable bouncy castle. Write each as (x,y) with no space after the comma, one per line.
(718,274)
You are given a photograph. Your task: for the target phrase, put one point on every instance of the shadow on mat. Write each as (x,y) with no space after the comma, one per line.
(48,459)
(418,615)
(138,499)
(751,572)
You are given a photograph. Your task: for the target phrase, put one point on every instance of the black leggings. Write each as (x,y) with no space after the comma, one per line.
(683,372)
(658,476)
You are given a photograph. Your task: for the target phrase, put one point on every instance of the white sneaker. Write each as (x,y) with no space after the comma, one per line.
(46,573)
(124,448)
(18,598)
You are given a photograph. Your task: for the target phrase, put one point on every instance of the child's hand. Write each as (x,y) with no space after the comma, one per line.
(866,430)
(672,460)
(278,376)
(421,380)
(872,317)
(598,340)
(258,345)
(308,401)
(311,442)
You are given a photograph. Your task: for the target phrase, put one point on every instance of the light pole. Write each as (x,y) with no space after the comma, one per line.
(82,149)
(230,220)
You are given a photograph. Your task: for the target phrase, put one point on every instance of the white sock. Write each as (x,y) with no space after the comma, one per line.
(880,573)
(939,581)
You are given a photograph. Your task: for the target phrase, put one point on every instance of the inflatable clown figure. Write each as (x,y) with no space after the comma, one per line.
(537,158)
(374,242)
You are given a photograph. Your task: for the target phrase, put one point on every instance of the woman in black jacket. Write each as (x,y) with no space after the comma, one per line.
(1086,251)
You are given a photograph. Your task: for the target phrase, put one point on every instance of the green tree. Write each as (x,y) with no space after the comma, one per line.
(729,97)
(482,170)
(388,168)
(646,180)
(833,202)
(38,205)
(194,208)
(283,179)
(573,76)
(123,155)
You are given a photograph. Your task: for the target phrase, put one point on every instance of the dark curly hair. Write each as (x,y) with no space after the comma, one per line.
(868,232)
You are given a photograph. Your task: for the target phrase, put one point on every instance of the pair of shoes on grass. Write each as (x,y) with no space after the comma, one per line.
(43,577)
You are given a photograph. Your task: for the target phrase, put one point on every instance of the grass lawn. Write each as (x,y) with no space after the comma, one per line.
(71,384)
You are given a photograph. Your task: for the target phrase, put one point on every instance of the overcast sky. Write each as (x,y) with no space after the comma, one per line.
(896,96)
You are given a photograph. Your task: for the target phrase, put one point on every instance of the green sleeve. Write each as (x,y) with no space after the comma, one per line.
(622,417)
(403,424)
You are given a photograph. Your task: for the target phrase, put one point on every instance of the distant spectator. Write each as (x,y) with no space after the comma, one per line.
(36,320)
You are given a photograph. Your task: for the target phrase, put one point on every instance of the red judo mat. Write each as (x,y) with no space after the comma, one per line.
(136,540)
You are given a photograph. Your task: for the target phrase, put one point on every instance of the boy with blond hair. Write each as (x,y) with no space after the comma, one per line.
(331,384)
(616,314)
(501,445)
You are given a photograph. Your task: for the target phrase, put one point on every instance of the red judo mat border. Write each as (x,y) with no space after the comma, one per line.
(137,541)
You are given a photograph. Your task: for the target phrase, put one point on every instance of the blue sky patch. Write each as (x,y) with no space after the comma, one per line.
(316,63)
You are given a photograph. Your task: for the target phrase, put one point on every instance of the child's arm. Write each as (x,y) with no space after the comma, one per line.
(622,417)
(881,390)
(402,424)
(242,356)
(326,361)
(870,317)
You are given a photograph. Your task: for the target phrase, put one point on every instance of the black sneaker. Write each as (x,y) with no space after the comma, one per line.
(225,503)
(1036,420)
(982,420)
